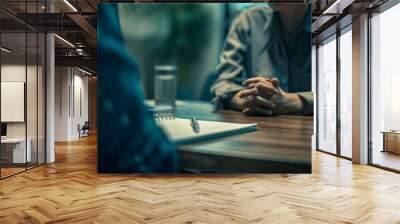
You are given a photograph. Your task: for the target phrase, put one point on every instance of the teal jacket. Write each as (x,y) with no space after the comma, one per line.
(128,139)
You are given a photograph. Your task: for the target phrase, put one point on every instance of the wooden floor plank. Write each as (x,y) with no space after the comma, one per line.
(71,191)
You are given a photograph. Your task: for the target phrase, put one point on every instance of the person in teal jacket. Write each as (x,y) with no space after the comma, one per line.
(128,139)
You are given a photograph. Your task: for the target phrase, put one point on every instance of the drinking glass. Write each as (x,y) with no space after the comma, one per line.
(165,86)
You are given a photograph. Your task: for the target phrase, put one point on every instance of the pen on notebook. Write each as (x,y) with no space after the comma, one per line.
(195,125)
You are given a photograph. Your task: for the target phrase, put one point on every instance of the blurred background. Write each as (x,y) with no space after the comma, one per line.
(189,36)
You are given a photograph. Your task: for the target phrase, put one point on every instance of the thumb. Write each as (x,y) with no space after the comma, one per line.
(275,82)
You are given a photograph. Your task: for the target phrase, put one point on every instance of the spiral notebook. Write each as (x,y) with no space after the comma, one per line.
(180,131)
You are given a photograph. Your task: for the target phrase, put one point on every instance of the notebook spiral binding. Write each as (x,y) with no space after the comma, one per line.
(163,116)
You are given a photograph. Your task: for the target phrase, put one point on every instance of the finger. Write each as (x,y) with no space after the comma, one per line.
(252,85)
(250,103)
(266,89)
(247,111)
(275,82)
(267,104)
(263,111)
(248,92)
(257,111)
(253,80)
(250,111)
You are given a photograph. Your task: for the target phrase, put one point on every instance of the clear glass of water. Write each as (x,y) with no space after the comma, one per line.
(165,86)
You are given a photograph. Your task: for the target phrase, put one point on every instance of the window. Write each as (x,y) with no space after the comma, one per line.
(346,93)
(385,88)
(327,96)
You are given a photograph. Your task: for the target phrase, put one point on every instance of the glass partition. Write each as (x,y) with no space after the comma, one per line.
(14,153)
(22,88)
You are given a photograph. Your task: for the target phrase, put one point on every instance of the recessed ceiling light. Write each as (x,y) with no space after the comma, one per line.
(65,41)
(337,7)
(70,5)
(5,50)
(84,71)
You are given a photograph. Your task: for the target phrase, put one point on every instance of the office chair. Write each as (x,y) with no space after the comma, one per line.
(84,130)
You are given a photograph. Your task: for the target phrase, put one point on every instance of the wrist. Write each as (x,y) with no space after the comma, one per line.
(295,104)
(234,102)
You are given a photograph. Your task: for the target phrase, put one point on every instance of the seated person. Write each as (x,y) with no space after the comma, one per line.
(128,139)
(265,65)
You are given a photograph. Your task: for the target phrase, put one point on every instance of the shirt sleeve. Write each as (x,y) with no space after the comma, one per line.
(307,99)
(231,70)
(128,139)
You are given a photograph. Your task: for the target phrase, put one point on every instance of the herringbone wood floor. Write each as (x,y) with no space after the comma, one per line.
(70,191)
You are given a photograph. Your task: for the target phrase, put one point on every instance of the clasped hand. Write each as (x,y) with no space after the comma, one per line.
(263,96)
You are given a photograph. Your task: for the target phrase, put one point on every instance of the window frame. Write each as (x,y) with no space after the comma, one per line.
(333,37)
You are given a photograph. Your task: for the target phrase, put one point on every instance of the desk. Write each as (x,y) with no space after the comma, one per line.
(281,145)
(391,141)
(13,150)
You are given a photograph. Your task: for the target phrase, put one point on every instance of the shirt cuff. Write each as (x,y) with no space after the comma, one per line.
(222,100)
(307,98)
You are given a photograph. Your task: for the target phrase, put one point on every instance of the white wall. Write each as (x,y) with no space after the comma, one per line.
(33,126)
(62,82)
(79,117)
(9,73)
(13,72)
(16,73)
(70,83)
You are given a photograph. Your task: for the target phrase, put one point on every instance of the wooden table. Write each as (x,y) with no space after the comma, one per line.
(281,145)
